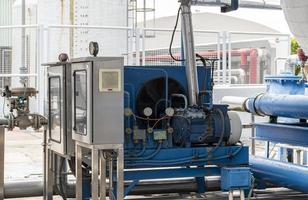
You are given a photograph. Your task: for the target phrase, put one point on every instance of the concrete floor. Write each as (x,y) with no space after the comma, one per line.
(271,194)
(23,154)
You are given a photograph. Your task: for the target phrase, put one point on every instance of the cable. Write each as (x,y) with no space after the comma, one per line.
(149,156)
(146,119)
(184,160)
(172,37)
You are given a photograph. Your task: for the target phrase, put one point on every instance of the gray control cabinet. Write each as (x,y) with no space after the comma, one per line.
(97,100)
(59,109)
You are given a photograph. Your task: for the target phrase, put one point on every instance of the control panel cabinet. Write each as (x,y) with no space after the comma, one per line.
(97,100)
(59,109)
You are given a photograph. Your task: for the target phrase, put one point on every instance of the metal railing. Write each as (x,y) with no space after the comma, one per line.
(44,43)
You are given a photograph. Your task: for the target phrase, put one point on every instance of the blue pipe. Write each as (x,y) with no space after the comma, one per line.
(283,105)
(279,173)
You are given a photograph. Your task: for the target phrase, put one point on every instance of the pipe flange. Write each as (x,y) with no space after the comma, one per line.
(257,111)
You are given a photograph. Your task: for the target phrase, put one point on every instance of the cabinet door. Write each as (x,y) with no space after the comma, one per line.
(80,101)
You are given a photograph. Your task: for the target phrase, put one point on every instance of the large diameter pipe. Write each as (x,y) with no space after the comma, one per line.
(189,52)
(291,106)
(33,188)
(280,174)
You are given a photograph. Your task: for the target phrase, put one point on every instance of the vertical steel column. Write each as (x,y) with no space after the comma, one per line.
(298,156)
(94,181)
(120,174)
(219,36)
(50,174)
(137,50)
(267,149)
(242,195)
(304,157)
(230,195)
(143,35)
(78,162)
(229,58)
(224,57)
(2,148)
(253,135)
(189,51)
(102,176)
(282,154)
(45,159)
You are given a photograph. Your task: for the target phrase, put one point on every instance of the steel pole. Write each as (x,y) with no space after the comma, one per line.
(189,52)
(2,148)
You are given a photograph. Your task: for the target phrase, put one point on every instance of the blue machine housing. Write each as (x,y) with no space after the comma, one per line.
(194,136)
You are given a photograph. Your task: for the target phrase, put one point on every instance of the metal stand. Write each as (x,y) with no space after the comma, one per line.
(2,148)
(99,167)
(242,195)
(49,182)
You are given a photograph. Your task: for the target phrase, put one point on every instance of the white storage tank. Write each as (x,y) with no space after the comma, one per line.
(5,20)
(84,12)
(296,13)
(76,12)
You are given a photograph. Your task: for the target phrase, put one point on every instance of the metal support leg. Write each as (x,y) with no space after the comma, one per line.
(304,157)
(253,135)
(94,182)
(102,176)
(298,157)
(50,174)
(45,160)
(282,154)
(242,195)
(78,161)
(120,174)
(230,195)
(2,148)
(267,149)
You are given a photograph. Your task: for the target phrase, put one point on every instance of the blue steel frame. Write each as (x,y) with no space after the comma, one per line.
(293,134)
(231,156)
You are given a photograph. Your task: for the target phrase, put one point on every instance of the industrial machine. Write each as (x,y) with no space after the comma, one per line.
(160,119)
(158,127)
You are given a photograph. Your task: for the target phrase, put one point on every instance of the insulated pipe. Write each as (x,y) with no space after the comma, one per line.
(189,52)
(279,173)
(34,188)
(291,106)
(235,103)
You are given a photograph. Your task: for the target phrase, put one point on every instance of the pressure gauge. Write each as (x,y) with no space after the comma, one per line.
(128,112)
(147,111)
(169,112)
(93,48)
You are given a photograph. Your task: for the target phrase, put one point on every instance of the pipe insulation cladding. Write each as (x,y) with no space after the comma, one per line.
(279,173)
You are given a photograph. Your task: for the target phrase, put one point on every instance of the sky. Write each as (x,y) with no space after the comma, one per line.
(272,18)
